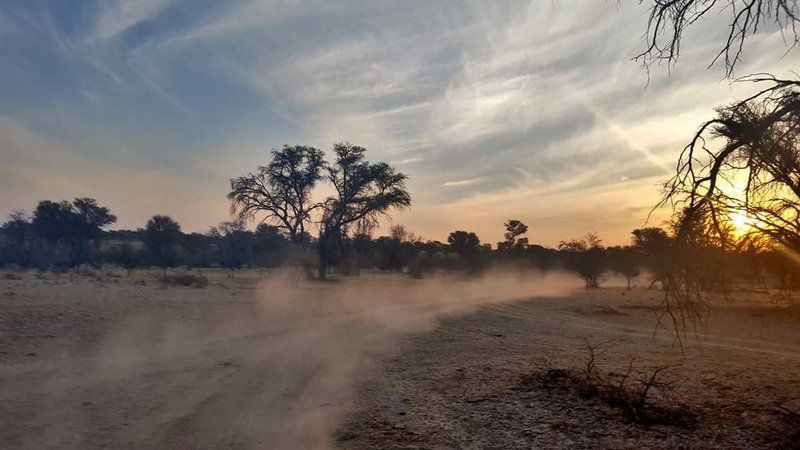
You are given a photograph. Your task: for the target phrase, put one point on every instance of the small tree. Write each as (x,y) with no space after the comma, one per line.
(587,256)
(234,242)
(19,239)
(161,235)
(468,245)
(91,218)
(269,246)
(124,255)
(624,261)
(73,225)
(514,229)
(655,246)
(465,243)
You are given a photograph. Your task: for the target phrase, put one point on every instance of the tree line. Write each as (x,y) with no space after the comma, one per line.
(60,235)
(337,234)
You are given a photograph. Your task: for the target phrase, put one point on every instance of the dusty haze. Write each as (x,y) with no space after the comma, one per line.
(242,363)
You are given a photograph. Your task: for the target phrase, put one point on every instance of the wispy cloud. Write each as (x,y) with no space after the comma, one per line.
(524,108)
(116,17)
(460,183)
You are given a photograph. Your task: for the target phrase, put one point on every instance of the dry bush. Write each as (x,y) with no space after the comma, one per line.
(640,394)
(185,280)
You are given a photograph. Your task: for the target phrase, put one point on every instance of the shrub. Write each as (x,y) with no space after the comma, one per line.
(631,392)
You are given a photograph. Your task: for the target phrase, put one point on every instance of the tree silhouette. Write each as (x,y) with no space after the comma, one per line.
(234,242)
(125,256)
(669,20)
(587,256)
(363,191)
(268,245)
(161,235)
(514,229)
(465,243)
(468,245)
(756,140)
(18,233)
(759,144)
(401,234)
(74,225)
(655,246)
(281,191)
(624,261)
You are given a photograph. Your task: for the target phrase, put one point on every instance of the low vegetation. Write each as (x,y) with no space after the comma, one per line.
(184,279)
(641,394)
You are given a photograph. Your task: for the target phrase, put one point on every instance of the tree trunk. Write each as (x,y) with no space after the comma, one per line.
(322,273)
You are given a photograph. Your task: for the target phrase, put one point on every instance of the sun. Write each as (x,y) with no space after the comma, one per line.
(741,223)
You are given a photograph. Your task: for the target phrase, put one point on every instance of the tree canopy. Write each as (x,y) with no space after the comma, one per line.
(281,190)
(73,224)
(363,192)
(162,234)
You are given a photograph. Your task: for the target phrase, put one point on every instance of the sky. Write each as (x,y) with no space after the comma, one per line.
(532,110)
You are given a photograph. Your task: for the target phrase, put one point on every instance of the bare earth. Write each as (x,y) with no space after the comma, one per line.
(464,385)
(256,362)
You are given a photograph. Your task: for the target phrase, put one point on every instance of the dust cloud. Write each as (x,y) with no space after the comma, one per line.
(271,365)
(331,336)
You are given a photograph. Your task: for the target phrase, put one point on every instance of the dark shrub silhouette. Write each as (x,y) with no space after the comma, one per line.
(162,235)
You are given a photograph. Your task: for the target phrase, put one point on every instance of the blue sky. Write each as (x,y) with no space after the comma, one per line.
(496,110)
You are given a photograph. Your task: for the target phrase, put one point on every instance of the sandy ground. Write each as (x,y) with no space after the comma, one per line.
(252,362)
(465,385)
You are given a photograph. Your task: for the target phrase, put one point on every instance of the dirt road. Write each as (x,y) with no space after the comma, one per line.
(111,362)
(251,362)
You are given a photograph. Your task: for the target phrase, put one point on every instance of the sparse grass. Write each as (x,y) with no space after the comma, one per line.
(11,276)
(84,271)
(184,279)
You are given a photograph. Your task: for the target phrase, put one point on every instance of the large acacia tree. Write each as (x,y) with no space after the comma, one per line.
(363,191)
(280,192)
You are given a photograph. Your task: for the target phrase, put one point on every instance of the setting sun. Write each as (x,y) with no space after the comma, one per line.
(741,222)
